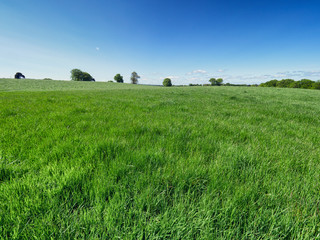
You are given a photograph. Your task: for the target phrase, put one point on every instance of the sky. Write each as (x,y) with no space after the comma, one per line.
(241,41)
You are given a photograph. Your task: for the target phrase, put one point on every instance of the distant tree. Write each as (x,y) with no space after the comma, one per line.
(118,78)
(19,75)
(213,81)
(167,82)
(216,82)
(47,79)
(134,78)
(78,75)
(219,81)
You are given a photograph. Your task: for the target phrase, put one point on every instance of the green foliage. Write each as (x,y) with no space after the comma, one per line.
(86,77)
(216,82)
(316,85)
(284,83)
(118,78)
(295,84)
(167,82)
(194,163)
(134,78)
(290,83)
(78,75)
(306,83)
(271,83)
(219,81)
(213,81)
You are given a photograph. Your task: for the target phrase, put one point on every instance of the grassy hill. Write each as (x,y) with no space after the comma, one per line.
(107,161)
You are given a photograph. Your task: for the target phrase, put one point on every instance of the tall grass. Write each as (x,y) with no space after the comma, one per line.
(160,163)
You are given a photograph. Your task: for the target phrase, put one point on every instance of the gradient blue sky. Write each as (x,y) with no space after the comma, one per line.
(189,41)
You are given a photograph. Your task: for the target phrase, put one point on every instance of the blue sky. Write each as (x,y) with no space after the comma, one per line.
(189,41)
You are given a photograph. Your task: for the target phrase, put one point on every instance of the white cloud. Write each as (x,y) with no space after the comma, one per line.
(97,48)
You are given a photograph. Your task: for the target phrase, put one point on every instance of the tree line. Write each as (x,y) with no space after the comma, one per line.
(290,83)
(78,75)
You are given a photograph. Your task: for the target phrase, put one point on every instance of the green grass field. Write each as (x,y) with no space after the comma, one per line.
(116,161)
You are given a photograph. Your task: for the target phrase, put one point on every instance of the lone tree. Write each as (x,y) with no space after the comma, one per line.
(19,75)
(118,78)
(134,78)
(216,82)
(167,82)
(78,75)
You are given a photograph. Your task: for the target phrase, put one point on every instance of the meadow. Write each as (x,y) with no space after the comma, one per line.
(90,160)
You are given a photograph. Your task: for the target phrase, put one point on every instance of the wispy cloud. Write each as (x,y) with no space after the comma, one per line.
(97,48)
(259,78)
(199,71)
(172,77)
(298,74)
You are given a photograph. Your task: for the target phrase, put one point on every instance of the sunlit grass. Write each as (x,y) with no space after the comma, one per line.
(134,162)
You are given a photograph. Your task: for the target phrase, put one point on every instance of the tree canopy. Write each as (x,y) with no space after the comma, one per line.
(78,75)
(118,78)
(167,82)
(216,82)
